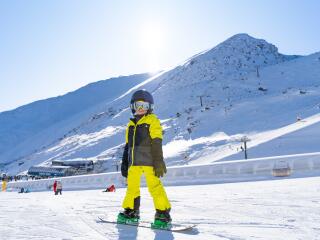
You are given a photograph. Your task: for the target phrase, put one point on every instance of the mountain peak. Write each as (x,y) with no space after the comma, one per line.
(245,40)
(245,50)
(241,36)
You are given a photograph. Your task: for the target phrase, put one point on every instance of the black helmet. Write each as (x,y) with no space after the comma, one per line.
(142,95)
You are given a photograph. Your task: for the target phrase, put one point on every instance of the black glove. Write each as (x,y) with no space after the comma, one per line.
(124,164)
(159,168)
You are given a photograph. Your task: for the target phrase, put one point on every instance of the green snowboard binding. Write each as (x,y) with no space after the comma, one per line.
(158,224)
(128,216)
(162,220)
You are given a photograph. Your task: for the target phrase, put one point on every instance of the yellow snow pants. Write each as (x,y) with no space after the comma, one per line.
(160,199)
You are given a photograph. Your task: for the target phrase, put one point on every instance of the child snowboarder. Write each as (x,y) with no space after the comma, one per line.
(143,155)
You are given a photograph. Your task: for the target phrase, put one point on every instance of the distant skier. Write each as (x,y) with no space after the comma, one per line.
(111,188)
(55,187)
(24,190)
(4,185)
(143,155)
(58,188)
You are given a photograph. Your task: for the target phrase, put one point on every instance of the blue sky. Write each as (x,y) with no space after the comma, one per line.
(48,48)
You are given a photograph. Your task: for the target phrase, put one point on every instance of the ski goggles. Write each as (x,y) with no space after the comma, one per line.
(141,105)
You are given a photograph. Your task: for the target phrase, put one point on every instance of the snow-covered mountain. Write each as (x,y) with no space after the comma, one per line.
(21,126)
(243,86)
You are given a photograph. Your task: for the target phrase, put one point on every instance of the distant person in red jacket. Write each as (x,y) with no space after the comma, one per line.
(55,187)
(112,188)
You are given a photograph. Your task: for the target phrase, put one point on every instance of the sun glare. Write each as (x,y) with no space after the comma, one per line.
(153,44)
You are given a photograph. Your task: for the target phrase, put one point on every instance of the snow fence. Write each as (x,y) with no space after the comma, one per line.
(299,165)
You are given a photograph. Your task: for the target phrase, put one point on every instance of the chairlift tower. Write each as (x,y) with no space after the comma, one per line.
(245,139)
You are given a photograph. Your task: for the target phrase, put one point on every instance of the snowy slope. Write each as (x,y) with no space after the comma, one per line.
(267,142)
(20,128)
(246,88)
(285,209)
(297,141)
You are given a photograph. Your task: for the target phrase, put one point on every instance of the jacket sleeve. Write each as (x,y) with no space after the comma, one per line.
(159,167)
(124,163)
(156,141)
(156,150)
(125,160)
(155,128)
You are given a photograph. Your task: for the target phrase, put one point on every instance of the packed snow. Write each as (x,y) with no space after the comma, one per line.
(278,209)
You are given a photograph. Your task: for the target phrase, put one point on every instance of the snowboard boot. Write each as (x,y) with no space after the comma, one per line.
(162,219)
(128,216)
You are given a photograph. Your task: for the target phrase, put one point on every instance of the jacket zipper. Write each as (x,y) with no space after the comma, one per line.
(134,140)
(133,143)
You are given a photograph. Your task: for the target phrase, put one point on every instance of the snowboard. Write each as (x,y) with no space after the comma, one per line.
(175,227)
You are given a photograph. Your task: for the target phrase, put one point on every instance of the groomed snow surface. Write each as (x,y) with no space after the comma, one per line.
(275,209)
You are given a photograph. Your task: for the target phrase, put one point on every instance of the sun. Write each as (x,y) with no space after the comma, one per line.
(153,43)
